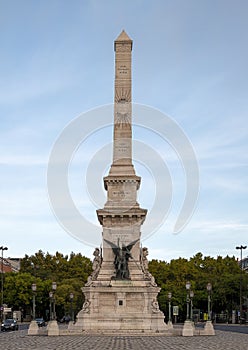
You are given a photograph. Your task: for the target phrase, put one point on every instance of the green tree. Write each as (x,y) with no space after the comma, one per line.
(222,273)
(70,274)
(19,294)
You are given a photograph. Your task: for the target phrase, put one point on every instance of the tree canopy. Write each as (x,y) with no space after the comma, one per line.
(222,272)
(69,272)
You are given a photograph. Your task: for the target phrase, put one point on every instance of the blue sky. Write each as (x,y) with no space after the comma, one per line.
(189,61)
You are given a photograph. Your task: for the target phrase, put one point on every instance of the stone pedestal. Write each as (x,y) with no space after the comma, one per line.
(208,329)
(188,329)
(122,307)
(33,328)
(52,328)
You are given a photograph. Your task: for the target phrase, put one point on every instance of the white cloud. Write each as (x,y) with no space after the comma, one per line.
(23,160)
(215,226)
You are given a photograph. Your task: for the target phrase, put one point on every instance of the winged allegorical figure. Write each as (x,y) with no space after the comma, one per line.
(122,255)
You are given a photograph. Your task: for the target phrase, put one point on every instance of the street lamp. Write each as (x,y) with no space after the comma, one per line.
(191,294)
(188,329)
(34,290)
(169,298)
(50,305)
(52,328)
(209,328)
(33,327)
(2,249)
(71,300)
(54,287)
(241,247)
(188,285)
(209,288)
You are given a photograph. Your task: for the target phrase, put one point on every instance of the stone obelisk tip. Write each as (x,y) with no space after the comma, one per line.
(123,38)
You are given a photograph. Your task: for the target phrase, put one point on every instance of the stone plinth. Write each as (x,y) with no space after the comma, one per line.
(122,307)
(188,329)
(52,328)
(208,329)
(33,328)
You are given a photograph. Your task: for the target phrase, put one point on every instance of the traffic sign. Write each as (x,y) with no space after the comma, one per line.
(175,310)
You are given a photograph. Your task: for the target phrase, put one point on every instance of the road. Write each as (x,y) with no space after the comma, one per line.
(232,328)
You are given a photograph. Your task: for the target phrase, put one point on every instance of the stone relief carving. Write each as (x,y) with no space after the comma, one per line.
(86,306)
(123,97)
(155,306)
(123,118)
(144,266)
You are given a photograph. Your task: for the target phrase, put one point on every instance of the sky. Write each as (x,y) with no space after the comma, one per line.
(189,61)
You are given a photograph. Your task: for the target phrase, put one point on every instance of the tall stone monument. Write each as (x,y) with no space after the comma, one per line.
(121,294)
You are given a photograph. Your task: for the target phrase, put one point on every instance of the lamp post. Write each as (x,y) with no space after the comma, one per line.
(209,328)
(33,327)
(209,288)
(34,290)
(53,328)
(2,249)
(71,300)
(50,305)
(169,298)
(188,285)
(54,287)
(188,329)
(191,294)
(241,247)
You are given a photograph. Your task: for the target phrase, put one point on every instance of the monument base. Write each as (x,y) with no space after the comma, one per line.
(122,307)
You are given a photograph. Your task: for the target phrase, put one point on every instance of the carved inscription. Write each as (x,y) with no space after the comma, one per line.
(123,238)
(123,69)
(121,194)
(122,145)
(121,47)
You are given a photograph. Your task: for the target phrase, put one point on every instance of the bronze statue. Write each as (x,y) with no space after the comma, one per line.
(122,255)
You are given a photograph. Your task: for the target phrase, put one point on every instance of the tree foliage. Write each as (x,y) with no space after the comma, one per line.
(222,273)
(57,267)
(69,272)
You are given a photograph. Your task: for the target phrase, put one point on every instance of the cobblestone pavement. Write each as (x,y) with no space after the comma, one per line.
(19,340)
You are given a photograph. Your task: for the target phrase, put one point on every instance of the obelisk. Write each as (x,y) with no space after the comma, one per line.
(121,294)
(121,216)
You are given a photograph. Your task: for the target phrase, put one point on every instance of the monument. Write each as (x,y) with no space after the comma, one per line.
(121,294)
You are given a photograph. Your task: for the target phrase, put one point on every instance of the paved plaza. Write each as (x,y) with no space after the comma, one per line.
(224,340)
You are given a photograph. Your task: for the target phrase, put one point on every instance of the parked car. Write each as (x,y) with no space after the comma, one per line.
(9,325)
(40,322)
(65,319)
